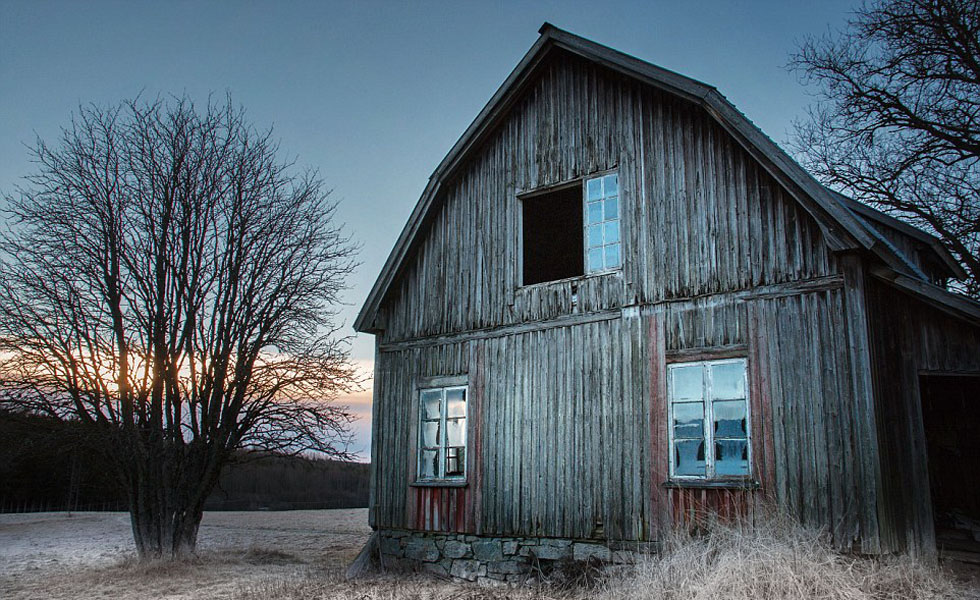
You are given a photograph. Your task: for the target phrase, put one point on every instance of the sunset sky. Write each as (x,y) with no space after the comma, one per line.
(372,94)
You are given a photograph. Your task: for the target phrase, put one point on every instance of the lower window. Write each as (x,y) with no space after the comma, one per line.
(709,420)
(442,434)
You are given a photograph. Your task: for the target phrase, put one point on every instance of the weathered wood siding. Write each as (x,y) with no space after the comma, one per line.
(573,432)
(910,338)
(569,433)
(699,214)
(397,377)
(818,464)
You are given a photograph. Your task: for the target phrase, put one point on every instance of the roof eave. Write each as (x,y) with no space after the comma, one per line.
(954,268)
(952,304)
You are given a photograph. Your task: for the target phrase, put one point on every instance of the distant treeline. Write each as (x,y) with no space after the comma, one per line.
(46,465)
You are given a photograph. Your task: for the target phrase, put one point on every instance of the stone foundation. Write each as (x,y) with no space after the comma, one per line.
(492,560)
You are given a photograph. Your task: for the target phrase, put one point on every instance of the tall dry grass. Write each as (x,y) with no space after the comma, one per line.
(776,559)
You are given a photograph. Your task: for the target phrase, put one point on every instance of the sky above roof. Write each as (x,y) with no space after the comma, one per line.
(372,94)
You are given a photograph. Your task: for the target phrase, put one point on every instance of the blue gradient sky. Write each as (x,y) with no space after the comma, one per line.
(373,94)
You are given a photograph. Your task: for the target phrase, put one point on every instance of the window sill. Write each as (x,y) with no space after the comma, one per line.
(712,484)
(574,279)
(440,483)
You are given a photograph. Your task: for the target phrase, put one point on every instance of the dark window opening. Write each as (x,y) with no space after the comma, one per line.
(553,246)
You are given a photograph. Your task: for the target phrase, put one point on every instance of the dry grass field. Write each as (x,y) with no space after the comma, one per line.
(301,555)
(91,555)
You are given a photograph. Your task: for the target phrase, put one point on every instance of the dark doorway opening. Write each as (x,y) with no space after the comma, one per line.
(951,418)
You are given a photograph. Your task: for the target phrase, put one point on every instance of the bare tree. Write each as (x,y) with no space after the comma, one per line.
(897,122)
(169,283)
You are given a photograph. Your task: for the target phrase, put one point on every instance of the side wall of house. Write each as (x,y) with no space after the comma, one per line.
(568,428)
(910,338)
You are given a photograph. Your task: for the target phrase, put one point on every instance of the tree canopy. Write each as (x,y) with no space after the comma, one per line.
(171,284)
(897,118)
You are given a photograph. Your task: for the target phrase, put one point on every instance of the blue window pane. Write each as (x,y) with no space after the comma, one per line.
(686,383)
(689,457)
(611,184)
(610,231)
(729,419)
(612,256)
(595,259)
(612,208)
(595,189)
(728,381)
(688,420)
(731,457)
(595,235)
(595,212)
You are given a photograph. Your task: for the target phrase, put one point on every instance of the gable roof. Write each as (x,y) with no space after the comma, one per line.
(841,226)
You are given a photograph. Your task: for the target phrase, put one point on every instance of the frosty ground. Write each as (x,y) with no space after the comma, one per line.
(91,555)
(302,555)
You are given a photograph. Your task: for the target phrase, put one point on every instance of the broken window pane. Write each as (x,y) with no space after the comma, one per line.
(455,461)
(710,437)
(731,457)
(430,434)
(689,457)
(429,463)
(687,383)
(431,404)
(728,381)
(729,417)
(442,438)
(689,420)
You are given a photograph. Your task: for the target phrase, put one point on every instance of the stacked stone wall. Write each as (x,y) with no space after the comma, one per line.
(492,559)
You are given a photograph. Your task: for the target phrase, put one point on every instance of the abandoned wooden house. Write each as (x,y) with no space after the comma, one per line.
(619,306)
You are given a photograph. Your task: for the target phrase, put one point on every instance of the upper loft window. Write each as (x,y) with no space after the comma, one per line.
(572,230)
(602,223)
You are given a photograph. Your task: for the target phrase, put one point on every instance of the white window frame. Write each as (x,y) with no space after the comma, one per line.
(708,428)
(618,220)
(443,434)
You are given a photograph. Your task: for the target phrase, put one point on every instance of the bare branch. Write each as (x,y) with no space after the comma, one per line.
(897,119)
(171,282)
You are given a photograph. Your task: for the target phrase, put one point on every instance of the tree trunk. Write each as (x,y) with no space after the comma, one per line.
(166,503)
(163,531)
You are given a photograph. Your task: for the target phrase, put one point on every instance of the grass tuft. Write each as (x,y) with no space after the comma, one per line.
(774,560)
